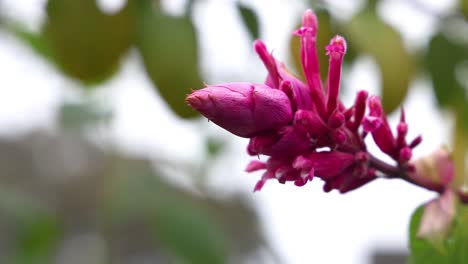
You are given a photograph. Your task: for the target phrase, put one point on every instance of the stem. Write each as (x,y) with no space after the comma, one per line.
(397,172)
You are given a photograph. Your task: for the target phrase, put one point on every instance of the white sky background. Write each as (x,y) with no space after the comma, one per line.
(304,224)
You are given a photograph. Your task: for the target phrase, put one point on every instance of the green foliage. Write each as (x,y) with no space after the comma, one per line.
(37,229)
(454,249)
(250,20)
(82,114)
(182,224)
(370,35)
(441,59)
(169,49)
(86,42)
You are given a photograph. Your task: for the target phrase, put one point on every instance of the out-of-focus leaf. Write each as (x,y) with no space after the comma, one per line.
(441,59)
(169,49)
(370,35)
(86,42)
(250,20)
(325,34)
(81,114)
(190,234)
(463,6)
(460,148)
(214,146)
(37,229)
(456,244)
(181,222)
(36,41)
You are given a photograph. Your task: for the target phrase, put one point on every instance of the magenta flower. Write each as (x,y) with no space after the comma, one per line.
(303,127)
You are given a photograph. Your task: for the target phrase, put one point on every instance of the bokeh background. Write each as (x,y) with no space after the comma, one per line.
(101,160)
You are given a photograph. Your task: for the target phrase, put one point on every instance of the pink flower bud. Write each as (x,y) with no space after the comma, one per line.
(437,218)
(434,171)
(326,164)
(244,109)
(288,141)
(336,50)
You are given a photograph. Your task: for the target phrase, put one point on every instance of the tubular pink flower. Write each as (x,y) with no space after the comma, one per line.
(244,109)
(326,164)
(269,62)
(311,122)
(382,134)
(288,141)
(309,59)
(307,132)
(359,109)
(336,50)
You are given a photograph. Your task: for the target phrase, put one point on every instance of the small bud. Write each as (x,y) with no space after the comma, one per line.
(434,171)
(311,122)
(255,165)
(288,141)
(336,120)
(244,109)
(326,164)
(437,219)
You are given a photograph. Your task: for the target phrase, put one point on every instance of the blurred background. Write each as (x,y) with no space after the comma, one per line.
(101,160)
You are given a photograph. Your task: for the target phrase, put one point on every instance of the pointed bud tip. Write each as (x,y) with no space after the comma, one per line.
(309,19)
(337,45)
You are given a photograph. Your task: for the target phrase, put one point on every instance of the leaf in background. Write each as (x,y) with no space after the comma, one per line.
(325,34)
(181,221)
(250,20)
(463,6)
(190,234)
(370,35)
(37,229)
(76,115)
(441,60)
(422,252)
(169,49)
(36,41)
(86,42)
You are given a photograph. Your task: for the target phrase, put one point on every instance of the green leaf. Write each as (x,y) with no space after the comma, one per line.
(169,49)
(370,35)
(463,6)
(324,35)
(87,43)
(36,41)
(456,244)
(76,115)
(180,221)
(191,234)
(37,229)
(441,60)
(250,20)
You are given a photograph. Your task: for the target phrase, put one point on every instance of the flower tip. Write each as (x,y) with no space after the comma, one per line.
(259,46)
(337,46)
(309,19)
(194,100)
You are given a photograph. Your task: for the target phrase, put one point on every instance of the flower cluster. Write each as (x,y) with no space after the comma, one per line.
(303,127)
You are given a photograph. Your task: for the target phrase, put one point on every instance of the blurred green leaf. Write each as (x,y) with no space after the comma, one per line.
(169,49)
(190,234)
(86,42)
(250,20)
(181,222)
(370,35)
(325,34)
(463,6)
(81,114)
(37,229)
(456,244)
(441,59)
(36,41)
